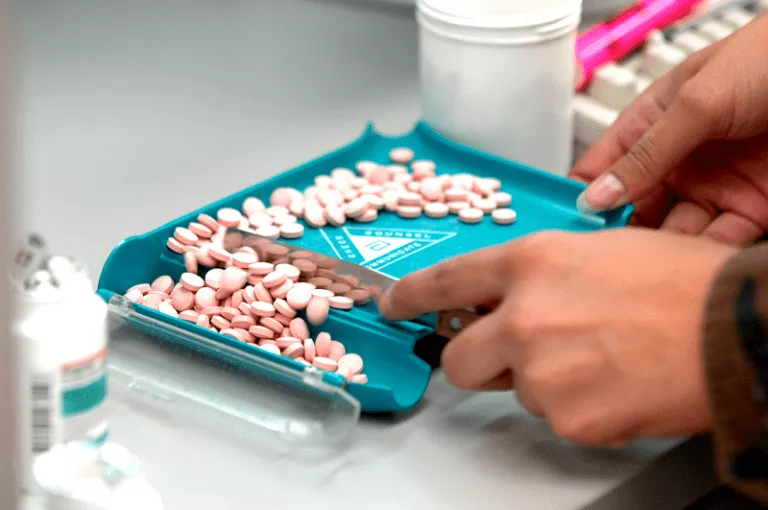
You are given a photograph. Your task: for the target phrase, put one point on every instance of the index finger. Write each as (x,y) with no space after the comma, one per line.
(468,280)
(637,118)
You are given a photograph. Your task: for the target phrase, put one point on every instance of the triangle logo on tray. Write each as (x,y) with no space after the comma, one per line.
(376,248)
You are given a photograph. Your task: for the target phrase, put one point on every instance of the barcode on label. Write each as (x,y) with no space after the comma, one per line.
(43,413)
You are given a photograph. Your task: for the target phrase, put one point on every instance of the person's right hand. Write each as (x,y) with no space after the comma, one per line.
(699,135)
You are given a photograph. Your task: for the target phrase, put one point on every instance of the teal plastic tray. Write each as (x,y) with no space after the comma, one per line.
(392,245)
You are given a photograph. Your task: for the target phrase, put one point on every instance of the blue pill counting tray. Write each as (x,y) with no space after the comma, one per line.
(391,245)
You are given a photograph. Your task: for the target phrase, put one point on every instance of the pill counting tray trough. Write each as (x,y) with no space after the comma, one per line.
(391,245)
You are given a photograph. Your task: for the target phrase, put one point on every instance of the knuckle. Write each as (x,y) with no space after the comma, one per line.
(519,326)
(539,248)
(590,428)
(692,100)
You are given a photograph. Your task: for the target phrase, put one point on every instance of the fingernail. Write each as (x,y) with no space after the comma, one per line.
(605,193)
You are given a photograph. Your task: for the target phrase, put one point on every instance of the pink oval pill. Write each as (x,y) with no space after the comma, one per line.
(229,312)
(252,205)
(209,222)
(274,349)
(456,195)
(298,297)
(248,294)
(284,320)
(299,328)
(232,334)
(244,259)
(190,262)
(325,363)
(219,253)
(220,322)
(322,294)
(200,230)
(436,210)
(163,284)
(203,321)
(360,379)
(271,323)
(269,231)
(293,351)
(237,299)
(134,295)
(356,207)
(261,293)
(486,205)
(353,361)
(261,268)
(204,257)
(167,308)
(281,291)
(277,210)
(192,282)
(281,197)
(314,216)
(471,215)
(262,309)
(292,231)
(504,216)
(341,303)
(185,236)
(245,308)
(457,207)
(344,372)
(284,219)
(286,341)
(174,245)
(182,299)
(282,306)
(261,332)
(374,202)
(323,344)
(368,216)
(189,316)
(210,311)
(409,198)
(431,189)
(206,297)
(337,350)
(260,219)
(234,279)
(409,211)
(502,199)
(229,217)
(424,166)
(335,216)
(243,321)
(152,300)
(141,287)
(297,208)
(274,279)
(401,155)
(291,271)
(309,349)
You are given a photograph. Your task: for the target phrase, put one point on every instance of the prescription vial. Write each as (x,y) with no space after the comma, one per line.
(61,330)
(498,75)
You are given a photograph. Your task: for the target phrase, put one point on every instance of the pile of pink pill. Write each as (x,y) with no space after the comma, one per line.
(256,298)
(348,196)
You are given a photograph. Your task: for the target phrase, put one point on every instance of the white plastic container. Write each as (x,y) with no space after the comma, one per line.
(61,330)
(498,75)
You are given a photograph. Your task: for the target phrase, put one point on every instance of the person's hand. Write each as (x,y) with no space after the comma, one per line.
(699,134)
(601,333)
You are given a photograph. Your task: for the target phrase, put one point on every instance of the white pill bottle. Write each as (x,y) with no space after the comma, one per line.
(61,329)
(498,75)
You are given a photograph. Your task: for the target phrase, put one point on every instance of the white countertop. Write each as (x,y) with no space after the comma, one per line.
(133,113)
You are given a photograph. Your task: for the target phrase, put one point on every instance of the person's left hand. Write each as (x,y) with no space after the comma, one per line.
(603,332)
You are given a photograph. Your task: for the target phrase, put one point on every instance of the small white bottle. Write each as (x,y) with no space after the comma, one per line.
(61,330)
(498,75)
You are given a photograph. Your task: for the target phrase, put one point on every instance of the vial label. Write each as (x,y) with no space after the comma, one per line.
(46,411)
(83,393)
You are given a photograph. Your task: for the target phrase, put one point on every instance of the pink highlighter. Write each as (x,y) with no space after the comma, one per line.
(616,38)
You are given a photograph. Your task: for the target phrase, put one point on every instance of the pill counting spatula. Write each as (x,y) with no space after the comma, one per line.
(449,323)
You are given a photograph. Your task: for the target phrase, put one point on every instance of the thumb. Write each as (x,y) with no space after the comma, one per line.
(666,144)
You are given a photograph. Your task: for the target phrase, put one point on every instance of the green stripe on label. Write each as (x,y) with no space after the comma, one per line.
(84,398)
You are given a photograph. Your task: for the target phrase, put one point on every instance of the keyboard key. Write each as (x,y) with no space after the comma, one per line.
(591,118)
(614,86)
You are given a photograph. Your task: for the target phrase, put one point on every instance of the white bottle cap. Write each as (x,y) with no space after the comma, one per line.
(78,476)
(509,13)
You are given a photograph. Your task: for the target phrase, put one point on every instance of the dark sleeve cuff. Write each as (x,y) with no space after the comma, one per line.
(736,364)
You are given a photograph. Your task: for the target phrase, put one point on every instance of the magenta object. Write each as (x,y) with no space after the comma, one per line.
(616,38)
